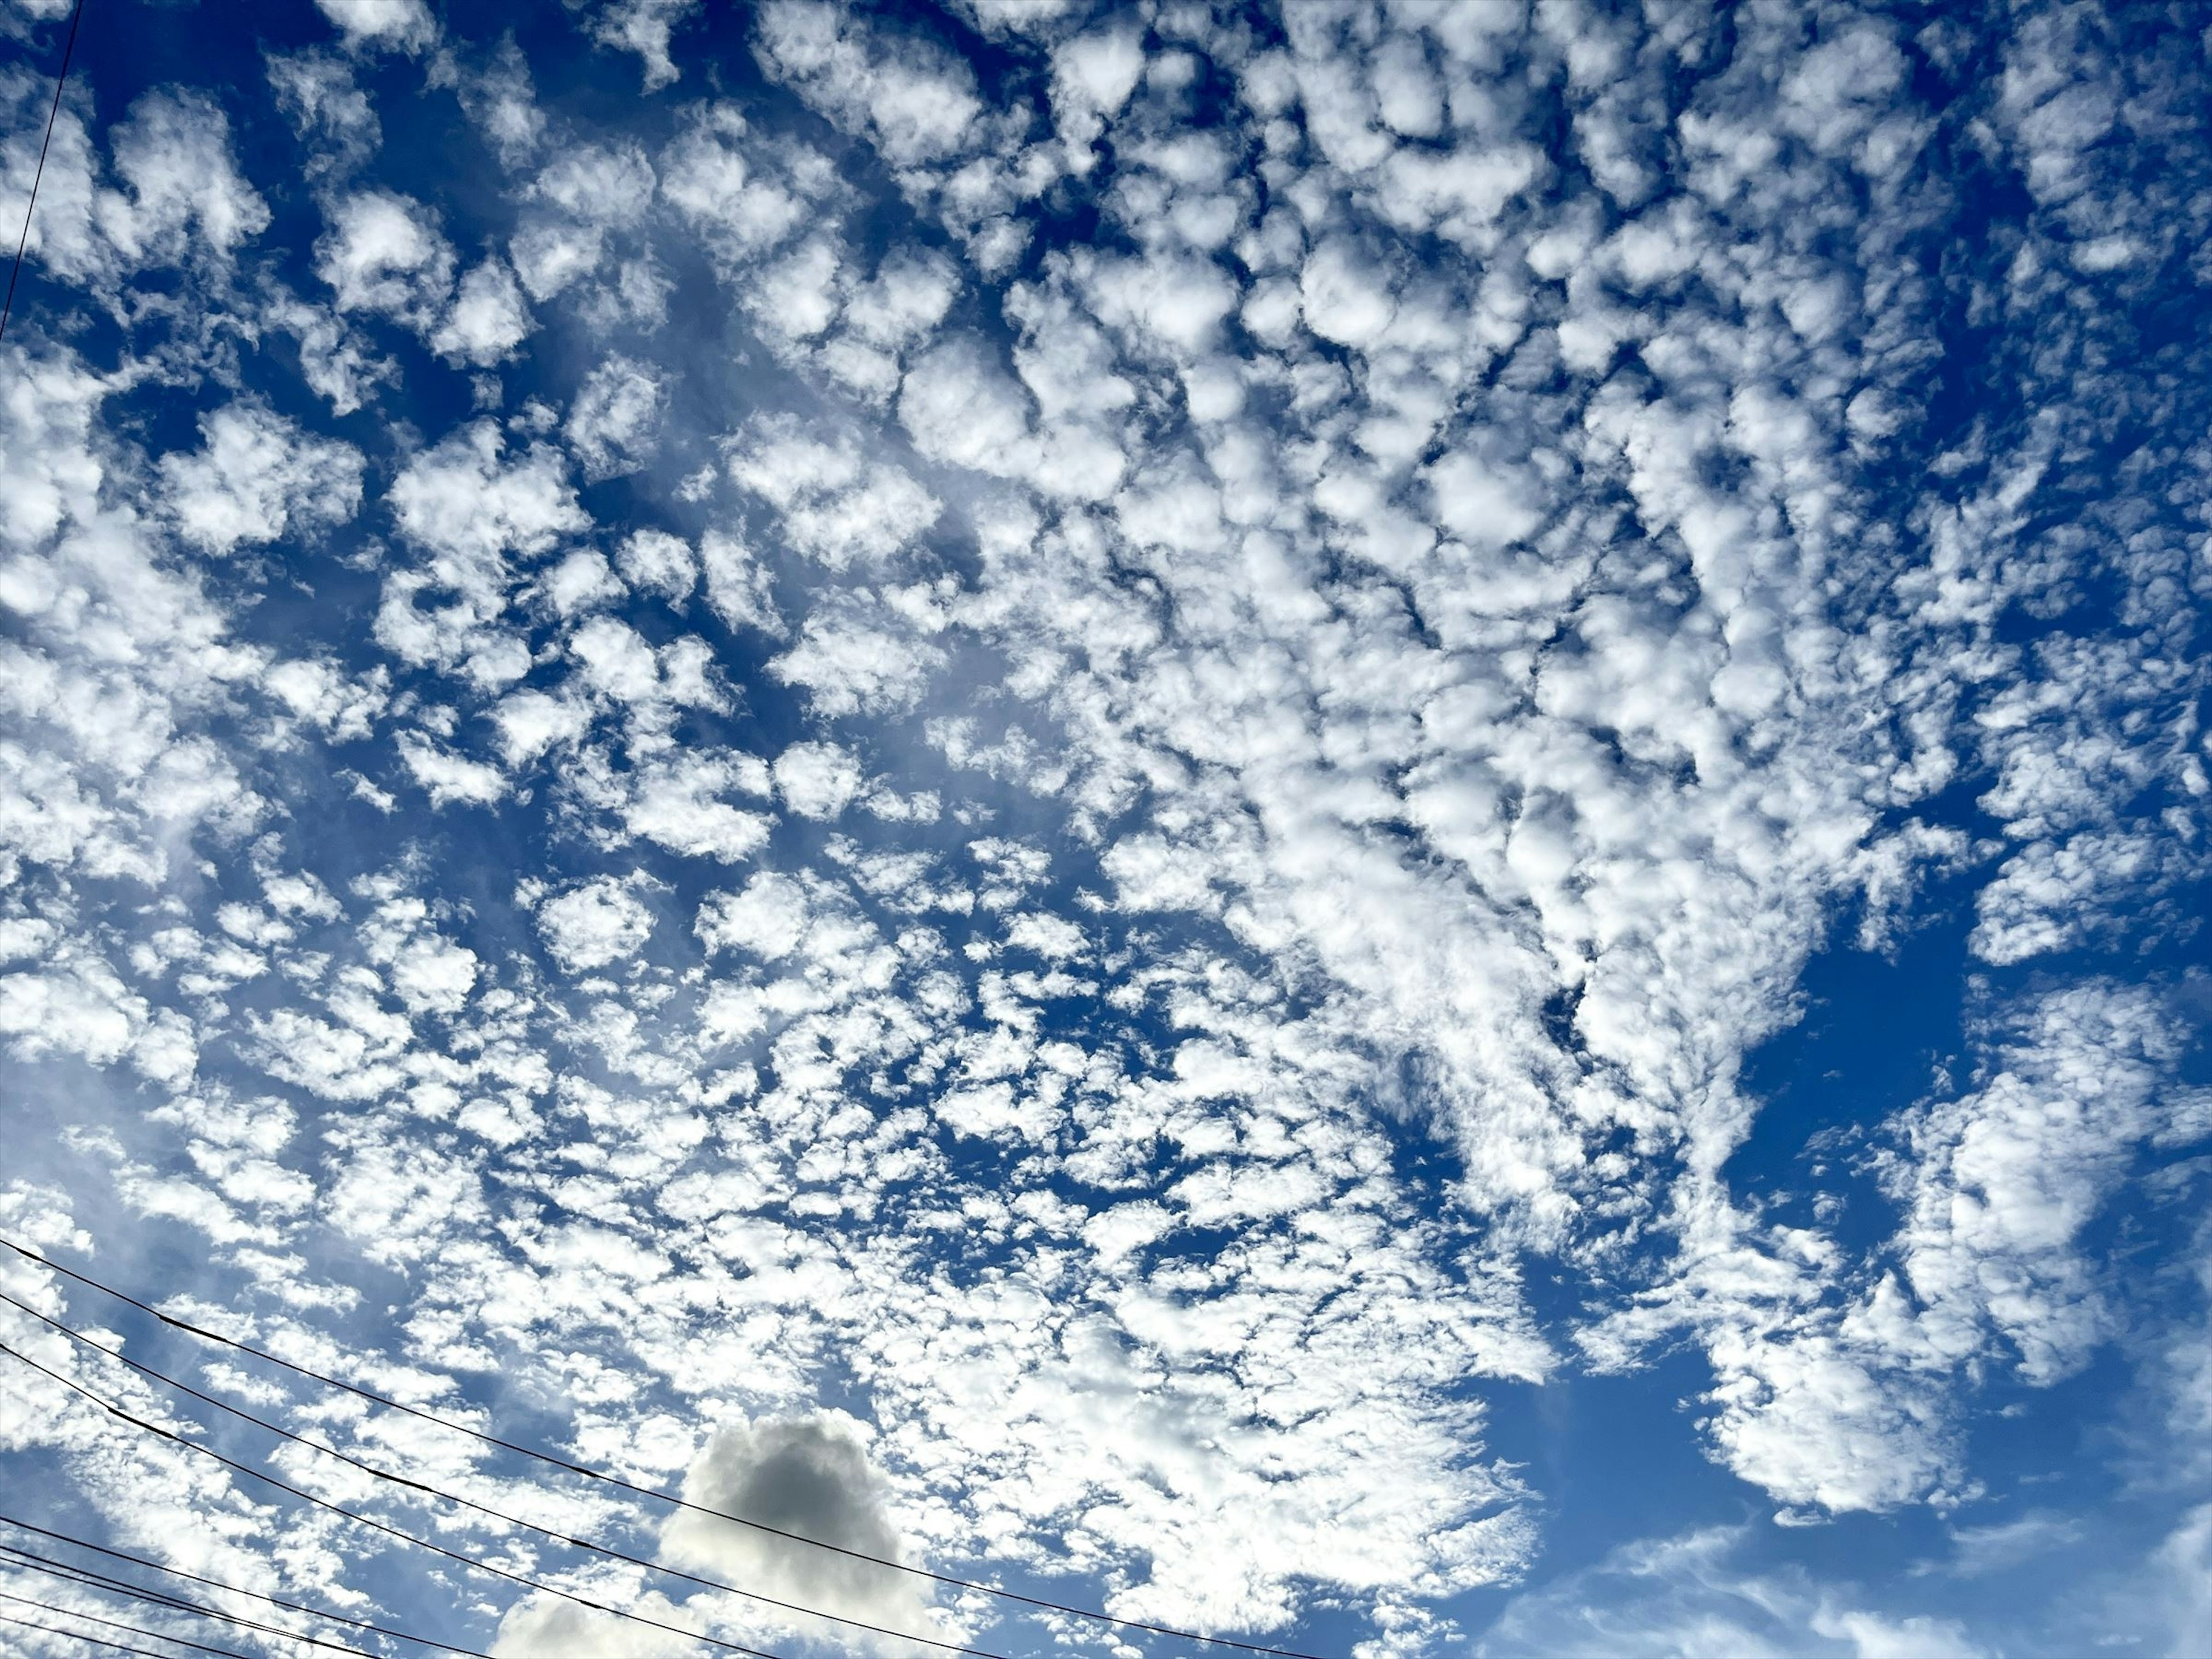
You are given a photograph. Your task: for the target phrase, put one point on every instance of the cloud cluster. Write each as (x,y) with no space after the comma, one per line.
(1017,898)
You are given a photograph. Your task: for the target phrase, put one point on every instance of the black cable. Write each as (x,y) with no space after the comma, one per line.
(69,1572)
(116,1624)
(374,1525)
(105,1584)
(562,1463)
(217,1584)
(585,1544)
(23,240)
(79,1636)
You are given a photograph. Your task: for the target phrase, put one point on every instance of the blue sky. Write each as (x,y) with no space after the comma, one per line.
(1378,826)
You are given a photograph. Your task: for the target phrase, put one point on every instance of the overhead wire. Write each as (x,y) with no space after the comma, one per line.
(1042,1603)
(585,1544)
(116,1623)
(95,1641)
(68,49)
(108,1585)
(376,1525)
(216,1584)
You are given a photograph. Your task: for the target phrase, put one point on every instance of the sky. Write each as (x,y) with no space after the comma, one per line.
(1380,826)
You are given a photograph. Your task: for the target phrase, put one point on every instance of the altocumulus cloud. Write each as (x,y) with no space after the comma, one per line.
(1318,819)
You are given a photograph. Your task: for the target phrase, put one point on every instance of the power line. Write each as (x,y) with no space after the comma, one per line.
(217,1584)
(485,1508)
(69,1572)
(79,1636)
(562,1463)
(374,1525)
(113,1624)
(67,48)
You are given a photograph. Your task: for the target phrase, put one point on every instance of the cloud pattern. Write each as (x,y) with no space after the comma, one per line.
(1087,786)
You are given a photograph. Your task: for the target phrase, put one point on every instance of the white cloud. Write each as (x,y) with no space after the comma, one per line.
(645,26)
(855,660)
(737,584)
(1689,1596)
(1345,300)
(1092,76)
(659,563)
(594,925)
(614,425)
(1414,660)
(581,582)
(743,195)
(541,1626)
(677,805)
(175,153)
(489,318)
(317,90)
(334,360)
(530,722)
(818,780)
(833,506)
(767,919)
(255,474)
(404,25)
(811,1476)
(467,503)
(916,104)
(182,201)
(384,252)
(1842,1405)
(450,777)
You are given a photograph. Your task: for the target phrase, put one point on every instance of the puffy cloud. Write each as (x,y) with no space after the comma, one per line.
(450,777)
(1420,629)
(404,25)
(384,252)
(659,563)
(335,363)
(594,925)
(913,101)
(645,26)
(677,805)
(317,90)
(468,504)
(487,320)
(541,1626)
(255,474)
(581,582)
(1092,76)
(614,425)
(816,780)
(737,585)
(811,1476)
(832,505)
(857,658)
(182,199)
(744,195)
(1345,300)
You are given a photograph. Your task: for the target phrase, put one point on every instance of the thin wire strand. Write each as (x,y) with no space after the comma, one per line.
(1045,1603)
(585,1544)
(68,49)
(374,1525)
(84,1576)
(217,1584)
(68,1572)
(79,1636)
(116,1623)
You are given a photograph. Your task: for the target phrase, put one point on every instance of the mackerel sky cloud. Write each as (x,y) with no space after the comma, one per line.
(1380,827)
